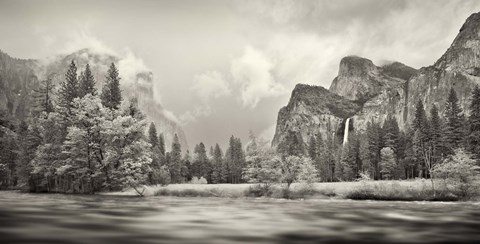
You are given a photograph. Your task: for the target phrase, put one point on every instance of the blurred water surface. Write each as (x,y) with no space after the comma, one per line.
(53,218)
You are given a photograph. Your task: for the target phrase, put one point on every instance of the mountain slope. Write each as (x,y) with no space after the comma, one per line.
(19,77)
(395,88)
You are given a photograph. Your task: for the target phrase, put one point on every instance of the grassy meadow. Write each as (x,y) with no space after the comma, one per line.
(394,190)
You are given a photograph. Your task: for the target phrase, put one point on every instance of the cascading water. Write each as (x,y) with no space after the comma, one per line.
(345,134)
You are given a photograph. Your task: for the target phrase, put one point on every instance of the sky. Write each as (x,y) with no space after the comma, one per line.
(225,68)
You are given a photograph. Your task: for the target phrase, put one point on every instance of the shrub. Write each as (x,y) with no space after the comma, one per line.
(258,191)
(459,171)
(196,180)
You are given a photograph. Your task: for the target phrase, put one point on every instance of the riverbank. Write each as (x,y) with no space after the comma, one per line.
(404,190)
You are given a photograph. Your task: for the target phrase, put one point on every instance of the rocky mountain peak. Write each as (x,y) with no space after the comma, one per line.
(354,66)
(360,80)
(464,53)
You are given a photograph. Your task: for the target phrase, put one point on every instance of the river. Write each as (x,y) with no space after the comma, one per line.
(55,218)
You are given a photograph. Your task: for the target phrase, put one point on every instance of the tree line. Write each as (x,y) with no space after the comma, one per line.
(79,140)
(76,140)
(384,152)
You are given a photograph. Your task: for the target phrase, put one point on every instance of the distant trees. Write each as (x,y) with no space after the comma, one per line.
(87,83)
(111,94)
(84,142)
(454,123)
(387,163)
(473,138)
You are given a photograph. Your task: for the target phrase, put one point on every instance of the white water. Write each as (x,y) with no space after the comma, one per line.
(345,134)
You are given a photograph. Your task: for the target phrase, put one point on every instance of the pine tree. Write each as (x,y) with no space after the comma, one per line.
(474,124)
(175,165)
(435,135)
(111,93)
(29,139)
(235,158)
(421,139)
(454,122)
(218,175)
(69,88)
(391,133)
(44,96)
(87,82)
(387,163)
(152,135)
(375,144)
(161,144)
(187,162)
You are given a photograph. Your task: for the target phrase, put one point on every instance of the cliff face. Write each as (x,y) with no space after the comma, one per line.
(312,110)
(19,77)
(459,68)
(394,88)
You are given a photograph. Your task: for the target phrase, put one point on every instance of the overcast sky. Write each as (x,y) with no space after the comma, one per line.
(227,67)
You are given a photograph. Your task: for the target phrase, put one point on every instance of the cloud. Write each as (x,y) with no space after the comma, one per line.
(192,116)
(210,84)
(130,66)
(252,71)
(82,38)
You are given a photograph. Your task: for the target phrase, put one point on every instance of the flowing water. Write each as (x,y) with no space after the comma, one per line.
(52,218)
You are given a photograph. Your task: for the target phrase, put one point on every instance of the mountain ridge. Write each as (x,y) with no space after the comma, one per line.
(394,89)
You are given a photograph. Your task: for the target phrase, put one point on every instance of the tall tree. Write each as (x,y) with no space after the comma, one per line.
(235,159)
(152,135)
(28,140)
(387,163)
(454,122)
(161,144)
(218,174)
(435,135)
(474,124)
(69,88)
(87,82)
(44,96)
(111,93)
(175,165)
(375,144)
(421,139)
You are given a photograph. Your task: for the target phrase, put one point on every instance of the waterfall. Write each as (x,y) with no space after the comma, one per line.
(345,134)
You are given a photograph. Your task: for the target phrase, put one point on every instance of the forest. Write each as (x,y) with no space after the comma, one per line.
(80,140)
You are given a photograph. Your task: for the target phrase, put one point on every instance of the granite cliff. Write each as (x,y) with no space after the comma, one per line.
(377,91)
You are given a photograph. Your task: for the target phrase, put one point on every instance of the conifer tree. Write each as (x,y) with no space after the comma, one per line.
(175,165)
(69,88)
(161,144)
(44,96)
(219,174)
(474,124)
(152,135)
(435,135)
(111,93)
(28,141)
(387,163)
(454,122)
(87,82)
(235,158)
(187,162)
(421,139)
